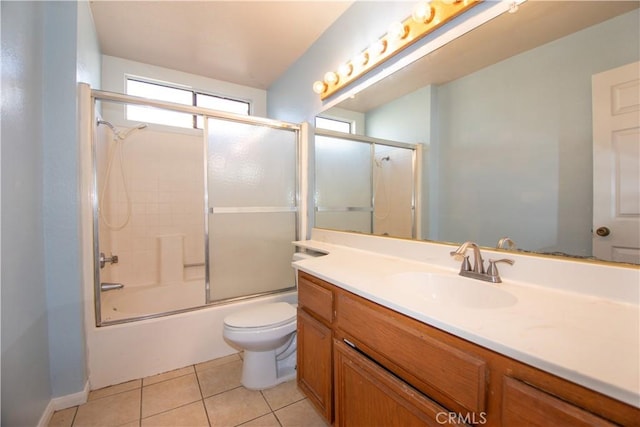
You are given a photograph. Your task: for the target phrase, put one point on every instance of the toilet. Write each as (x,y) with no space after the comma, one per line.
(267,334)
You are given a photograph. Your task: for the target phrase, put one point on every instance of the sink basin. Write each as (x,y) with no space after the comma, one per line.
(435,288)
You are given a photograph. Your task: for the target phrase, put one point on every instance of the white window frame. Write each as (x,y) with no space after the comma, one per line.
(175,118)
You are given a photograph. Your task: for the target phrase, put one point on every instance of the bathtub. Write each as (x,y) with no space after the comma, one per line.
(139,301)
(125,351)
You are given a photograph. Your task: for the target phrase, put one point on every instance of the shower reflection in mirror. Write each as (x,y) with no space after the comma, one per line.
(366,185)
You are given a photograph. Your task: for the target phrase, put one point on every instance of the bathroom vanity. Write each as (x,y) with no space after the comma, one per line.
(369,354)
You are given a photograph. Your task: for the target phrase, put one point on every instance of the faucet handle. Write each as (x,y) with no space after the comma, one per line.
(492,270)
(466,265)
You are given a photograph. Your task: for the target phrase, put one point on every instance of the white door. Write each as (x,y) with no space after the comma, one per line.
(616,164)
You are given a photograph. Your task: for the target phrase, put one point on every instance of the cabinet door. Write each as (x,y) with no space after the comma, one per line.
(367,395)
(524,405)
(314,363)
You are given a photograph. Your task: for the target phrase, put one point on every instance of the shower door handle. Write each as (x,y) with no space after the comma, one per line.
(113,259)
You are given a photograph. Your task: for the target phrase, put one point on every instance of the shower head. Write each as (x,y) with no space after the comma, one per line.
(125,134)
(383,159)
(122,135)
(107,124)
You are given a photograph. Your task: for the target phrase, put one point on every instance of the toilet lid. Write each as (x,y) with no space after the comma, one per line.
(272,314)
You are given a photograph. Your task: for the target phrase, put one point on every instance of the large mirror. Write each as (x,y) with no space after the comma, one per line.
(505,116)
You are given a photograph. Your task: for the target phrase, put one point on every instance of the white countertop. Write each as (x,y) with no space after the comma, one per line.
(590,340)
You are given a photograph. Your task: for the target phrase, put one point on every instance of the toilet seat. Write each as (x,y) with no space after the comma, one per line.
(265,316)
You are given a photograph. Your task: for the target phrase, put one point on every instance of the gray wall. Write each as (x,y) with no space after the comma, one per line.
(26,384)
(519,135)
(61,201)
(46,47)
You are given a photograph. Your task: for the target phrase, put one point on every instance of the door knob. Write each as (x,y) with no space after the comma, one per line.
(603,231)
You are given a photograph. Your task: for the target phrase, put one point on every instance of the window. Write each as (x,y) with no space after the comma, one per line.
(333,124)
(178,95)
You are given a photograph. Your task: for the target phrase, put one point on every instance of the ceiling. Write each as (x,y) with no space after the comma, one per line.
(251,43)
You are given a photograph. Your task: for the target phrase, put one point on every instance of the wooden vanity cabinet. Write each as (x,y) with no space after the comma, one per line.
(368,395)
(314,334)
(397,371)
(523,404)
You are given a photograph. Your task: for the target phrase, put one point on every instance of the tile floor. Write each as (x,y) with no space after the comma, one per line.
(206,394)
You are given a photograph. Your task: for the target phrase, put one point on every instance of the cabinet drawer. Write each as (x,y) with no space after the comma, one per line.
(450,376)
(523,404)
(315,296)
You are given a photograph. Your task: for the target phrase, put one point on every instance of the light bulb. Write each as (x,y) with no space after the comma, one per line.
(331,77)
(379,47)
(398,31)
(363,58)
(423,13)
(319,87)
(345,70)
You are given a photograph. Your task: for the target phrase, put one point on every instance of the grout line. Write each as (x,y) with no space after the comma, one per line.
(266,400)
(202,396)
(75,414)
(173,409)
(140,416)
(142,382)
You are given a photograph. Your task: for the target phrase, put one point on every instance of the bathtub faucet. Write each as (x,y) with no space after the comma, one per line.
(106,286)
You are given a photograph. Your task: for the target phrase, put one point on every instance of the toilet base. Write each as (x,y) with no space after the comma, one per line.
(259,370)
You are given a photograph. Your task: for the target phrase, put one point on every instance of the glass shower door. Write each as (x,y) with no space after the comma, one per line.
(252,208)
(343,184)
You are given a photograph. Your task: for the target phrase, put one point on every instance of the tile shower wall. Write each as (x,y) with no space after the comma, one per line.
(165,185)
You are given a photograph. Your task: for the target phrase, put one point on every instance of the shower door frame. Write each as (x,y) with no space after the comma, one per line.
(416,161)
(300,131)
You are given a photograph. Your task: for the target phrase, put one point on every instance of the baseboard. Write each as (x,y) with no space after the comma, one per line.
(63,402)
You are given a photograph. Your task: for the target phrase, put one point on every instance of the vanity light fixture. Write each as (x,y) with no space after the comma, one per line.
(362,59)
(331,78)
(426,17)
(423,13)
(398,31)
(345,70)
(319,87)
(379,47)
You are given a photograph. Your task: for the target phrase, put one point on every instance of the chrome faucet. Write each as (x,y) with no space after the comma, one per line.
(506,241)
(478,272)
(478,262)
